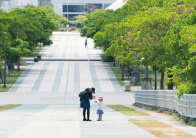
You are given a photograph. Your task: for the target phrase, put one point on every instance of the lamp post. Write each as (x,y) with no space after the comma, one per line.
(155,83)
(4,64)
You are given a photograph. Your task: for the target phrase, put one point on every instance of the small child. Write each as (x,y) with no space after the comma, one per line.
(99,109)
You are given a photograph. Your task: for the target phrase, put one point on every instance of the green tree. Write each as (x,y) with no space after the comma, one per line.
(17,49)
(180,45)
(64,21)
(95,22)
(80,20)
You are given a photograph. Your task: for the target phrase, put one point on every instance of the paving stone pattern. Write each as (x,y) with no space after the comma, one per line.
(49,92)
(51,76)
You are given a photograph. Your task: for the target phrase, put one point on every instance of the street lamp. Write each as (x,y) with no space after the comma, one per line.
(4,64)
(155,83)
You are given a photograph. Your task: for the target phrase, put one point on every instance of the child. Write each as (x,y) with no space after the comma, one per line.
(99,110)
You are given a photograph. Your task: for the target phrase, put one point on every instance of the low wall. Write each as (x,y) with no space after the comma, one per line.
(185,106)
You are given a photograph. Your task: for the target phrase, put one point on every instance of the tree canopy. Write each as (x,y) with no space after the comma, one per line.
(161,32)
(22,28)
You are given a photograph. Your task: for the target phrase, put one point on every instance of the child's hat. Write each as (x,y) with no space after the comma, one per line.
(100,98)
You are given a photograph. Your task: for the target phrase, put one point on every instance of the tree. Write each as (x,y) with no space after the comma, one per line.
(5,38)
(95,21)
(154,24)
(36,24)
(17,49)
(180,45)
(148,28)
(80,20)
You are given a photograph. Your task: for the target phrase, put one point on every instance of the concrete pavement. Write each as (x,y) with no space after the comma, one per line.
(49,92)
(65,121)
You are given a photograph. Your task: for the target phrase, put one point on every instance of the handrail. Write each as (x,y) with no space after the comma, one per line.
(186,105)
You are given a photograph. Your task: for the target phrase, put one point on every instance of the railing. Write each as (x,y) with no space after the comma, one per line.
(185,106)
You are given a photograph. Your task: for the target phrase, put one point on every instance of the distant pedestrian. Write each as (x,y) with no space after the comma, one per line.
(85,98)
(99,109)
(86,43)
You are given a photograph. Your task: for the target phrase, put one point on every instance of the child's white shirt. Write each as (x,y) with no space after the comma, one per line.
(99,105)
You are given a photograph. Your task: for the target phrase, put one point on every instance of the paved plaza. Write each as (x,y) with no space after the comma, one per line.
(49,92)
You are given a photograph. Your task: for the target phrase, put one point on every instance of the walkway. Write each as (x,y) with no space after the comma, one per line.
(67,76)
(49,91)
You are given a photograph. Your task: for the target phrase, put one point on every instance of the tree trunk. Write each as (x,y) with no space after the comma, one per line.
(123,66)
(155,82)
(114,63)
(161,81)
(18,66)
(146,74)
(170,84)
(136,75)
(9,66)
(12,66)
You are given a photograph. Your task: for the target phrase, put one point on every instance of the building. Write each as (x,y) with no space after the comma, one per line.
(66,8)
(9,4)
(72,8)
(117,4)
(44,3)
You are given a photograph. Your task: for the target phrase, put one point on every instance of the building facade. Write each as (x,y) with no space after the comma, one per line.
(65,8)
(72,8)
(9,4)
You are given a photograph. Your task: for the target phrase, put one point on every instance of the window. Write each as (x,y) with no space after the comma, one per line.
(65,15)
(92,7)
(106,5)
(64,8)
(75,8)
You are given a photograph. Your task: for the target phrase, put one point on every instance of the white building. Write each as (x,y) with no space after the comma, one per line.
(72,8)
(117,5)
(66,8)
(8,4)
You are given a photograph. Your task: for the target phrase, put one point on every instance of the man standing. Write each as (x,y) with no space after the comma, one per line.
(85,98)
(86,43)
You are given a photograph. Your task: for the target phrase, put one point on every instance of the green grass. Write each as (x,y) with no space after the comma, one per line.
(10,80)
(161,130)
(118,73)
(151,74)
(6,107)
(127,111)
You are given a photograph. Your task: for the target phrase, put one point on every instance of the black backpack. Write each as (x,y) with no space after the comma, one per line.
(82,94)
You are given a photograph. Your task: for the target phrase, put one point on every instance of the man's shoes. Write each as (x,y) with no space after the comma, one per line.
(99,120)
(84,119)
(88,120)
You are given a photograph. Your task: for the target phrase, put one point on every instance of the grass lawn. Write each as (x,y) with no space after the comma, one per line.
(127,111)
(6,107)
(10,80)
(118,73)
(160,129)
